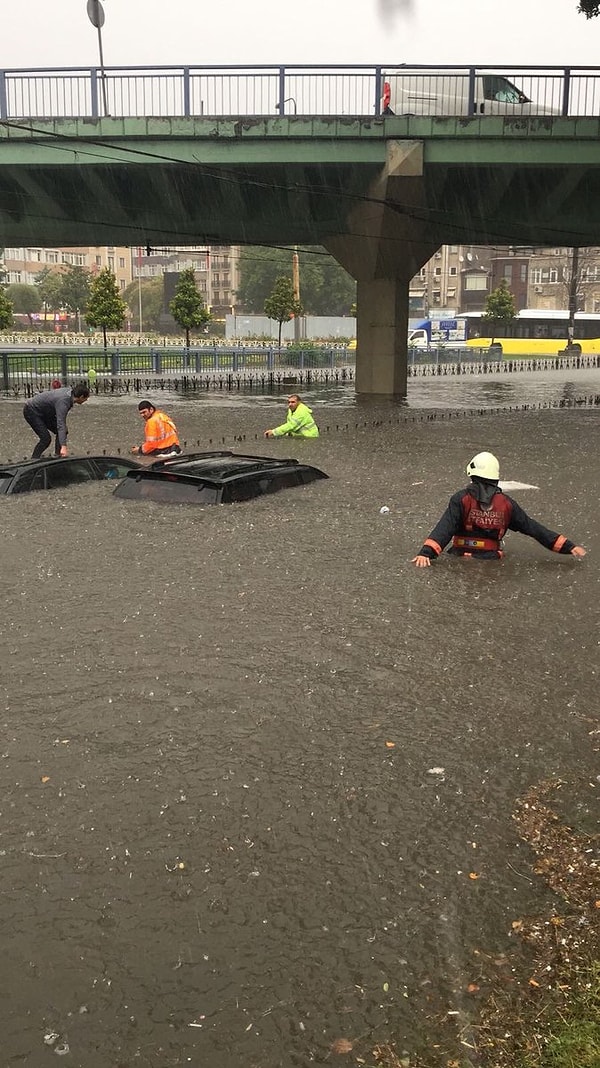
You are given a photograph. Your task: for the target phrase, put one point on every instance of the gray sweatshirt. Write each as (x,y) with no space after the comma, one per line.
(52,407)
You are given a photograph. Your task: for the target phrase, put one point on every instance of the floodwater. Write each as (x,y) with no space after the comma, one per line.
(223,841)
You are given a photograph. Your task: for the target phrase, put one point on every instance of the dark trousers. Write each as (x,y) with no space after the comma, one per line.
(40,428)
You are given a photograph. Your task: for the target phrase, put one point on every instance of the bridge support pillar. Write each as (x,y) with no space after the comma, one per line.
(386,243)
(382,333)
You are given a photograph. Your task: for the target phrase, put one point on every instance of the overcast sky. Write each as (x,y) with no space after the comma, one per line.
(57,33)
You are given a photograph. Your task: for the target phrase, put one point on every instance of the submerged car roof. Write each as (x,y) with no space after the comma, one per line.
(13,467)
(220,466)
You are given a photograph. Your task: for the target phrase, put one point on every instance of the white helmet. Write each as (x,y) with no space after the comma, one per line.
(484,465)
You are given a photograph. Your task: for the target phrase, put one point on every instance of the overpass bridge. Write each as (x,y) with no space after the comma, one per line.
(133,157)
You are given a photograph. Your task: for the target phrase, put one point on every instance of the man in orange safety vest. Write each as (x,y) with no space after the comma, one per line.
(160,433)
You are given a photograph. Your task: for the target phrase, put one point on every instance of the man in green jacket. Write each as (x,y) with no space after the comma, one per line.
(299,422)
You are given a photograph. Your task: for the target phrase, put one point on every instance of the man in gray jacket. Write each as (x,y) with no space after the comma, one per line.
(46,414)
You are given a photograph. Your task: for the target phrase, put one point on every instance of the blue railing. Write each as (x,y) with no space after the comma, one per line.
(217,91)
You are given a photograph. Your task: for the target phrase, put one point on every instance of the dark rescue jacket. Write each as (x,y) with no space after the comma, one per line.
(477,526)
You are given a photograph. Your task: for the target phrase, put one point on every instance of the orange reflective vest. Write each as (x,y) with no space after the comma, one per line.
(160,432)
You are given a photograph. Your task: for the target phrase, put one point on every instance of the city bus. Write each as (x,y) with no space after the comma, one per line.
(534,332)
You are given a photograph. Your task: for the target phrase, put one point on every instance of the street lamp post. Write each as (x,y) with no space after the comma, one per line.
(96,16)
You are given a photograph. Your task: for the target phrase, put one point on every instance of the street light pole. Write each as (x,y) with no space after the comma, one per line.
(96,16)
(140,288)
(296,286)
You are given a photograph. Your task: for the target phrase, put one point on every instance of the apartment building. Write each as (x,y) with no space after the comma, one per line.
(456,278)
(22,265)
(216,268)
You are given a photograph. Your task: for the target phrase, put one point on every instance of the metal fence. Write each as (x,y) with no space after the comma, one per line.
(37,367)
(219,91)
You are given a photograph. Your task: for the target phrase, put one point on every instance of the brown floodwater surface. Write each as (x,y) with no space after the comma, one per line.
(251,756)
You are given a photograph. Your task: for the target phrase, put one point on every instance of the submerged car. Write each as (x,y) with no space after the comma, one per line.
(57,472)
(214,478)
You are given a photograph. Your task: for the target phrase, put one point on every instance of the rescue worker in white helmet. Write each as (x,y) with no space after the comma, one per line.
(478,517)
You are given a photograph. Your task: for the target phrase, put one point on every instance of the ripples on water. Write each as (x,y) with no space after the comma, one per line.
(216,688)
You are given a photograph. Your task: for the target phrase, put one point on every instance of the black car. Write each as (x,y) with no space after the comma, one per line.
(55,472)
(214,478)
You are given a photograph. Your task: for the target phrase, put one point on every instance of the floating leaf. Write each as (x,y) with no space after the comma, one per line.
(341,1045)
(386,987)
(532,982)
(473,875)
(391,745)
(472,988)
(45,778)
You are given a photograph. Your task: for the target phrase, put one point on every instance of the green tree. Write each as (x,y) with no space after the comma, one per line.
(499,307)
(325,287)
(105,307)
(49,284)
(282,304)
(187,307)
(75,287)
(152,302)
(6,310)
(589,8)
(25,299)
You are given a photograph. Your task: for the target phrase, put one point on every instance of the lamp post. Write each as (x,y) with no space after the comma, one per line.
(96,16)
(296,285)
(140,288)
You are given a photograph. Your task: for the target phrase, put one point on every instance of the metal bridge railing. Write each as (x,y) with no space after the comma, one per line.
(218,91)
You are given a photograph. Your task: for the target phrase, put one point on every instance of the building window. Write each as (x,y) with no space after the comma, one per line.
(14,277)
(507,272)
(437,272)
(536,275)
(51,257)
(122,262)
(452,270)
(476,281)
(34,254)
(111,263)
(98,261)
(523,272)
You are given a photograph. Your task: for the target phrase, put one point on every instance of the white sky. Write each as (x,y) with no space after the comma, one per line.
(57,33)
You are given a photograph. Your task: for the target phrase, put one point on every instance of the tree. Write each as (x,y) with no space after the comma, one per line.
(6,311)
(25,299)
(152,302)
(49,284)
(282,304)
(499,307)
(187,307)
(589,8)
(325,287)
(75,287)
(105,307)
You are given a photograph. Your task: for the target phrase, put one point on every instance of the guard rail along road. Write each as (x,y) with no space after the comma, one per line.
(367,90)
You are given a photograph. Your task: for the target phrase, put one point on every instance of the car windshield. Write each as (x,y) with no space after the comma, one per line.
(5,480)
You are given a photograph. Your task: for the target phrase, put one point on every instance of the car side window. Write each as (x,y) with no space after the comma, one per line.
(31,480)
(111,468)
(68,472)
(243,489)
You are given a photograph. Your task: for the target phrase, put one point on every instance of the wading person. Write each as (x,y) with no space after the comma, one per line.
(478,517)
(299,422)
(47,413)
(160,433)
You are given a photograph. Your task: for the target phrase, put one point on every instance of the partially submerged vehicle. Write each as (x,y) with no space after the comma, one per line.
(222,477)
(55,472)
(456,92)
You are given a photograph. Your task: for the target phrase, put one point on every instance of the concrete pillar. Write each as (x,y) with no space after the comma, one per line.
(386,242)
(382,337)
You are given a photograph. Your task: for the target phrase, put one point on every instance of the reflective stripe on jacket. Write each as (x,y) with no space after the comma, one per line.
(160,432)
(299,424)
(467,519)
